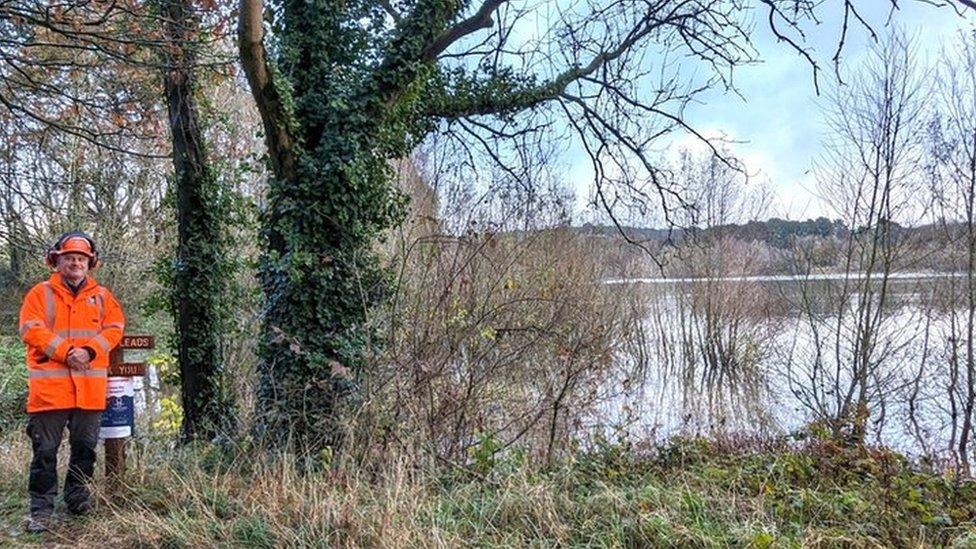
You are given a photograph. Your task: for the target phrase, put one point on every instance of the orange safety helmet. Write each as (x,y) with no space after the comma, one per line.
(73,242)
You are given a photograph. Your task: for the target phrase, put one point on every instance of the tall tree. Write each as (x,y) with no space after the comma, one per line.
(344,87)
(953,144)
(198,280)
(870,176)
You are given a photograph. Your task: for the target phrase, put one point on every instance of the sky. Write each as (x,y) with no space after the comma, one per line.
(777,123)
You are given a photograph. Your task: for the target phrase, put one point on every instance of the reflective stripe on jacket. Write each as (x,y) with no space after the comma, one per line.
(53,320)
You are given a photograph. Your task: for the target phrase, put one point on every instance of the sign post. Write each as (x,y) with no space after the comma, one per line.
(119,417)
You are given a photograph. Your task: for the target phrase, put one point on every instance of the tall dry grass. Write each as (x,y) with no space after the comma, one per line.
(691,492)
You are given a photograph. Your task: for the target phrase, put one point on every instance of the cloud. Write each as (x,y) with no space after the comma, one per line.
(777,129)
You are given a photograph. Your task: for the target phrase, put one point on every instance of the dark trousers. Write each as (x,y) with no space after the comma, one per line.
(45,430)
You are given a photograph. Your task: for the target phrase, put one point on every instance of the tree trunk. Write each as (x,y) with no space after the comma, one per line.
(16,247)
(320,279)
(327,203)
(198,282)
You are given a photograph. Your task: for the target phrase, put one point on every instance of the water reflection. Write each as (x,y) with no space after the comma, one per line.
(769,354)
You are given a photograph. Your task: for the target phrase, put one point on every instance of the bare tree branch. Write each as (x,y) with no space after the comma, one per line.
(480,20)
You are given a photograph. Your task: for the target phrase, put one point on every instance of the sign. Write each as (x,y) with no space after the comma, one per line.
(118,417)
(138,342)
(127,369)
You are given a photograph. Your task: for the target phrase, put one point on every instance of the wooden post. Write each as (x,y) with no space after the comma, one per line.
(114,461)
(115,447)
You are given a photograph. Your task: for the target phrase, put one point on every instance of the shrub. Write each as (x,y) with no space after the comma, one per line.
(13,385)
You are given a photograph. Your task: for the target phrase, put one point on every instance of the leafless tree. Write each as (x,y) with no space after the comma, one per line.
(707,324)
(872,176)
(953,148)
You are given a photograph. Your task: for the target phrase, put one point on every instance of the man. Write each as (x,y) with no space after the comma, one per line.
(70,324)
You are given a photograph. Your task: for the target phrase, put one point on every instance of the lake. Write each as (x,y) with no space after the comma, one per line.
(769,354)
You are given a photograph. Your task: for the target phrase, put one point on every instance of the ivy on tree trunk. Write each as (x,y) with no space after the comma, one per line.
(198,280)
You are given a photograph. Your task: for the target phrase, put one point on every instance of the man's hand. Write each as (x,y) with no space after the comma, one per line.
(78,359)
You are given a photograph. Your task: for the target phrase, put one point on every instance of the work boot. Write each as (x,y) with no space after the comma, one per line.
(80,509)
(37,525)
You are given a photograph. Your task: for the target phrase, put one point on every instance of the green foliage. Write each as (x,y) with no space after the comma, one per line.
(201,275)
(166,366)
(13,385)
(170,417)
(483,454)
(207,279)
(690,493)
(254,532)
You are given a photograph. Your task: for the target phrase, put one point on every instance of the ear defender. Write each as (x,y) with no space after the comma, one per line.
(77,242)
(51,258)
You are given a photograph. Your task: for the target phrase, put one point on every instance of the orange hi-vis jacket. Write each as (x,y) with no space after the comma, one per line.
(53,320)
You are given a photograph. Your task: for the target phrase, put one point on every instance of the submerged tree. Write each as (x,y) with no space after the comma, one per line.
(870,175)
(344,87)
(953,150)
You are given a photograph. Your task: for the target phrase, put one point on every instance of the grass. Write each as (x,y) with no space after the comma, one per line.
(689,493)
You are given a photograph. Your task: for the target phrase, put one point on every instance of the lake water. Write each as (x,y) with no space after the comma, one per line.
(768,354)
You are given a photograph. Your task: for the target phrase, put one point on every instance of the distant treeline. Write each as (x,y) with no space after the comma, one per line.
(775,232)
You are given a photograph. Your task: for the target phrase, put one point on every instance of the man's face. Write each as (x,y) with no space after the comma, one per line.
(73,266)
